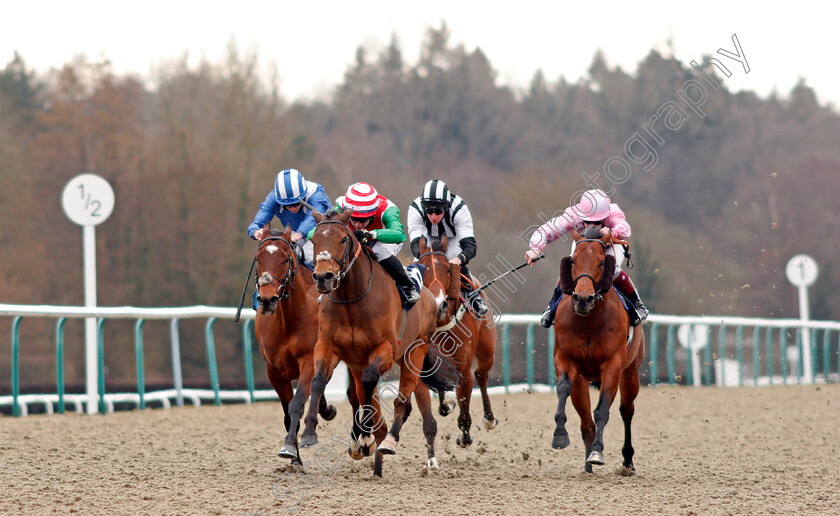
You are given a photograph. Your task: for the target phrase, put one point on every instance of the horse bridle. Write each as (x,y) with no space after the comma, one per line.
(282,287)
(599,296)
(434,271)
(343,265)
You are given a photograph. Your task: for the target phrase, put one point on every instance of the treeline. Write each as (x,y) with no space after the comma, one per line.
(192,151)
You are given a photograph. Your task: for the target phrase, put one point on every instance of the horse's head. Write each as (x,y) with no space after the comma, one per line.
(591,263)
(439,276)
(335,249)
(276,268)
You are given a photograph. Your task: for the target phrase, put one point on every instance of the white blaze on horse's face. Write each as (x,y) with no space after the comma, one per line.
(272,249)
(439,298)
(265,279)
(323,255)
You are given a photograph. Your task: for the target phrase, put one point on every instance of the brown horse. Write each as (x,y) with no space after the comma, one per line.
(362,322)
(591,331)
(286,329)
(460,335)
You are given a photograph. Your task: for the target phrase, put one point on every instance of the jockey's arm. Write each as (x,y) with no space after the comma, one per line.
(416,229)
(266,212)
(393,231)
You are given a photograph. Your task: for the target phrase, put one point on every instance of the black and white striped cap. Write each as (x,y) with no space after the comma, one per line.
(435,192)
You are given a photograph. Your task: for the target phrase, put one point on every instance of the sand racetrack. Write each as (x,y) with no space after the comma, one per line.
(698,451)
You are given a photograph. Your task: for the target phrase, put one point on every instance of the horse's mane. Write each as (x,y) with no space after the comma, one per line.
(435,244)
(593,232)
(277,232)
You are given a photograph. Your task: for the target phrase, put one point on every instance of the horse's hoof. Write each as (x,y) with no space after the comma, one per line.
(465,442)
(624,471)
(560,441)
(446,407)
(490,424)
(355,451)
(388,446)
(307,441)
(330,413)
(432,463)
(596,458)
(288,451)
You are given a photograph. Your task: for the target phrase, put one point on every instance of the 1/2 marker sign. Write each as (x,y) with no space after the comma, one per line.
(88,200)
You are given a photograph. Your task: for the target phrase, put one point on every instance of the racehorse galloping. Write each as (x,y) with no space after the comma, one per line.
(466,339)
(286,329)
(591,332)
(362,322)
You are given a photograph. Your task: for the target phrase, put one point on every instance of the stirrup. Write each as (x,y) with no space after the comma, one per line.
(411,296)
(479,307)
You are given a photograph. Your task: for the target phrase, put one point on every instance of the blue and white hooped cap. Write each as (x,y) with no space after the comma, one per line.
(289,187)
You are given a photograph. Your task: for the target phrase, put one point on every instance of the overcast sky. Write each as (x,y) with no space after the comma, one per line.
(312,43)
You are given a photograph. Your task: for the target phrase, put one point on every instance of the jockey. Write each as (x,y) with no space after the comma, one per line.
(376,223)
(595,209)
(437,212)
(292,201)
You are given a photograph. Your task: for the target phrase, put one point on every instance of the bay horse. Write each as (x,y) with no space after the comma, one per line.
(591,334)
(286,329)
(460,334)
(361,321)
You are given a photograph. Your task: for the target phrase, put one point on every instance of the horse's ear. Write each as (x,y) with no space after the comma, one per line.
(267,228)
(423,247)
(567,286)
(344,216)
(443,243)
(288,232)
(607,238)
(576,235)
(318,216)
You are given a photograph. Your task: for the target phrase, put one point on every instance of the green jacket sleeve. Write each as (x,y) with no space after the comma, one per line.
(393,231)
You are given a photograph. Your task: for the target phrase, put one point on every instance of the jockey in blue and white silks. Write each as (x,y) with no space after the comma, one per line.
(292,201)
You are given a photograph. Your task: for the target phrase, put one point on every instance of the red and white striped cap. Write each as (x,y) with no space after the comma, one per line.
(363,198)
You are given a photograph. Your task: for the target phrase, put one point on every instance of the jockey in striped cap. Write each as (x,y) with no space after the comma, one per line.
(292,201)
(376,223)
(439,212)
(593,209)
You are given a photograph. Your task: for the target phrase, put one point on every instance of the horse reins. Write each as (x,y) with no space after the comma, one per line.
(434,270)
(342,270)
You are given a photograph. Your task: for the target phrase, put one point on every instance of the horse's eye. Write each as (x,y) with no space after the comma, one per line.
(344,240)
(603,262)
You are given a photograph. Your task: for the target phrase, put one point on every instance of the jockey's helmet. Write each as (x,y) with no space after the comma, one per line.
(363,198)
(436,196)
(593,206)
(289,187)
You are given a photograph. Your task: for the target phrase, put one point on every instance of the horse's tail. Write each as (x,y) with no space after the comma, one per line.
(439,371)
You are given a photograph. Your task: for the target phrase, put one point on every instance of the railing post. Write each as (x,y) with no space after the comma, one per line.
(138,358)
(707,358)
(722,352)
(756,352)
(101,366)
(506,356)
(783,347)
(211,360)
(175,350)
(826,355)
(654,351)
(670,350)
(768,346)
(799,365)
(249,366)
(15,365)
(529,355)
(552,374)
(59,362)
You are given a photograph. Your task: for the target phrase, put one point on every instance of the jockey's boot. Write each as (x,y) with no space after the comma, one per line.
(395,268)
(547,317)
(623,282)
(477,303)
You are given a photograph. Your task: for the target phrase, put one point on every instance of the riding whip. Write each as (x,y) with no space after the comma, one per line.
(500,276)
(244,290)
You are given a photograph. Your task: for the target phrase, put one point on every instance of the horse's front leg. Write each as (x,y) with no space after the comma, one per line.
(610,373)
(424,403)
(564,389)
(411,363)
(290,447)
(371,421)
(325,361)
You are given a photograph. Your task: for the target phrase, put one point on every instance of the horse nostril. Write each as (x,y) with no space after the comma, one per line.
(329,276)
(576,298)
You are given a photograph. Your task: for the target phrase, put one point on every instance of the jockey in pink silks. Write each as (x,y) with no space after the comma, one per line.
(594,209)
